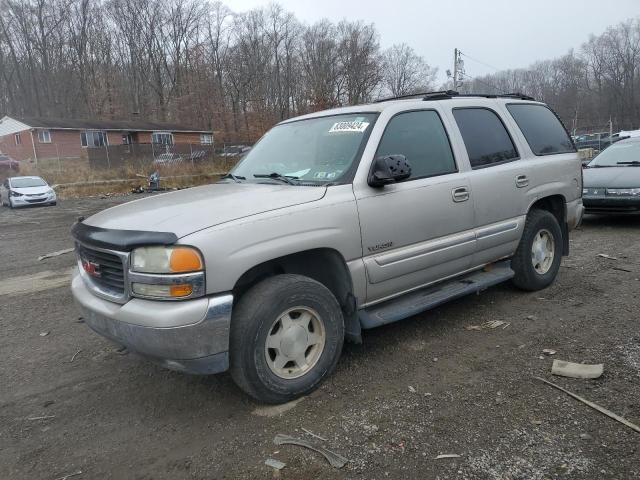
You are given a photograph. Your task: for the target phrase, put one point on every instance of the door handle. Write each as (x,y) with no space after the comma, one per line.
(522,181)
(460,194)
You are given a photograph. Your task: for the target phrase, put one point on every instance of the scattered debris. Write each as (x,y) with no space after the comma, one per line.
(586,436)
(622,269)
(48,403)
(595,406)
(495,324)
(44,417)
(536,422)
(531,317)
(308,432)
(80,320)
(277,464)
(74,474)
(75,355)
(412,389)
(491,324)
(55,254)
(336,460)
(447,455)
(122,350)
(44,334)
(609,257)
(576,370)
(549,351)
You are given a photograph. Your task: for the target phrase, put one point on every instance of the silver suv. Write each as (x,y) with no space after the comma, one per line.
(335,222)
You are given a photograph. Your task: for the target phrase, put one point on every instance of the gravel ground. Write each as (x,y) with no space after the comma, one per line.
(70,402)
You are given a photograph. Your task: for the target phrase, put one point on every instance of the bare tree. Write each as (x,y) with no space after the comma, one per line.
(404,72)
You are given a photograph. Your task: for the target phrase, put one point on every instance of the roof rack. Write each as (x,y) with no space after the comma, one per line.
(448,94)
(402,97)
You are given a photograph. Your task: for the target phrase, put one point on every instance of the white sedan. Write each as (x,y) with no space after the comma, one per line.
(25,191)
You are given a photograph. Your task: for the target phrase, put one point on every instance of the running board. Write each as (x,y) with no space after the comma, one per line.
(427,298)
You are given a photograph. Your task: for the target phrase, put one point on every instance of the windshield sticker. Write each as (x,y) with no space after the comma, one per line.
(320,174)
(357,127)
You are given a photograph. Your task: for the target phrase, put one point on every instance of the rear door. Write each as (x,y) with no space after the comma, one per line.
(498,178)
(420,230)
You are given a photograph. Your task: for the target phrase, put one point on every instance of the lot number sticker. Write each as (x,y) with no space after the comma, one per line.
(357,127)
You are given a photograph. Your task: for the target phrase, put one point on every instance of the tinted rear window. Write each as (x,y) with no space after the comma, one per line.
(485,137)
(542,129)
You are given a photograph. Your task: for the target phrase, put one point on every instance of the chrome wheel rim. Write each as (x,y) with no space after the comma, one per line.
(295,342)
(542,251)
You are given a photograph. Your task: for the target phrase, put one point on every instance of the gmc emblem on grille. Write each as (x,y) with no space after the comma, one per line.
(91,268)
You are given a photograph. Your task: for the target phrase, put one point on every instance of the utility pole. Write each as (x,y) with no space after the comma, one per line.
(455,69)
(458,69)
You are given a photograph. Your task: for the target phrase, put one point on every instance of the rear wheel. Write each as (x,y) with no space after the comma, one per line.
(286,337)
(537,259)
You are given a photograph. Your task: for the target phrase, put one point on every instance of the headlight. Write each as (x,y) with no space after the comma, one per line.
(14,194)
(167,273)
(166,260)
(624,192)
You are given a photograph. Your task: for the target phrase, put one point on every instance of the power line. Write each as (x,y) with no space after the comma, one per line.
(480,62)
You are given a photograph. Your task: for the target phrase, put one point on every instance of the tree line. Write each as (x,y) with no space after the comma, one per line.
(191,61)
(589,87)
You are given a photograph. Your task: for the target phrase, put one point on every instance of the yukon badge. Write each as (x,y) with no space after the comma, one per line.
(380,246)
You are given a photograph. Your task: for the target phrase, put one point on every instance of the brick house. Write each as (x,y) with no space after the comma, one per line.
(45,138)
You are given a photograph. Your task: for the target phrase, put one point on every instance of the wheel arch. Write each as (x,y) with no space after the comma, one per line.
(556,205)
(325,265)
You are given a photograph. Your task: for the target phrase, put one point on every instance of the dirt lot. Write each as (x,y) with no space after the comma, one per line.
(413,390)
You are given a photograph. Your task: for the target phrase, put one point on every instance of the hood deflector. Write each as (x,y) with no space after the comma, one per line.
(122,240)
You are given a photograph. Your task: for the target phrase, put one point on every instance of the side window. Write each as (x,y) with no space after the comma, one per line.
(542,129)
(485,136)
(421,137)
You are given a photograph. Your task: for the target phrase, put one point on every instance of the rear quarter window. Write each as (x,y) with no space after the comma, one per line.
(543,131)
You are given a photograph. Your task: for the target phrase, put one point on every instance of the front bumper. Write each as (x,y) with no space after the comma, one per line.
(190,336)
(25,201)
(611,205)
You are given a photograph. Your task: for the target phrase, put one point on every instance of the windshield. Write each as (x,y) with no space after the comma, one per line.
(27,182)
(618,154)
(318,150)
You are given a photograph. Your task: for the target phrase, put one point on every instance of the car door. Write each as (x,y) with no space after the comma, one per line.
(419,230)
(498,181)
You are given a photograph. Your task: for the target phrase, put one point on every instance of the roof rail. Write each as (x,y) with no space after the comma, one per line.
(401,97)
(453,94)
(448,94)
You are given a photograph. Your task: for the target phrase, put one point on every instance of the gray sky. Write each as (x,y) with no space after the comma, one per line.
(500,33)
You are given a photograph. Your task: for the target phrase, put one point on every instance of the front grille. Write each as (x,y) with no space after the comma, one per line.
(110,270)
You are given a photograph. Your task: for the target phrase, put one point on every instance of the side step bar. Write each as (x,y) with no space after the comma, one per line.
(427,298)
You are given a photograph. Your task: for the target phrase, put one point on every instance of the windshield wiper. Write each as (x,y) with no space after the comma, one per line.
(277,176)
(235,178)
(635,163)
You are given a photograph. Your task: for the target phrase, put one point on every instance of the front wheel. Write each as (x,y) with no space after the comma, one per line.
(537,259)
(287,334)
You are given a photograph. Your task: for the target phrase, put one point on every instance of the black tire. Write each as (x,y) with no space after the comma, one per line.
(252,321)
(526,277)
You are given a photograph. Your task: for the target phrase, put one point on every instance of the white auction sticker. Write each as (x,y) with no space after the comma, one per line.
(358,127)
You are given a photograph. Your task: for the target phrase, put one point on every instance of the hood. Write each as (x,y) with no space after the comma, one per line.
(612,177)
(31,190)
(187,211)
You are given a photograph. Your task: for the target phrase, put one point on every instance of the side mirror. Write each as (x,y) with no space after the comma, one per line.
(389,169)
